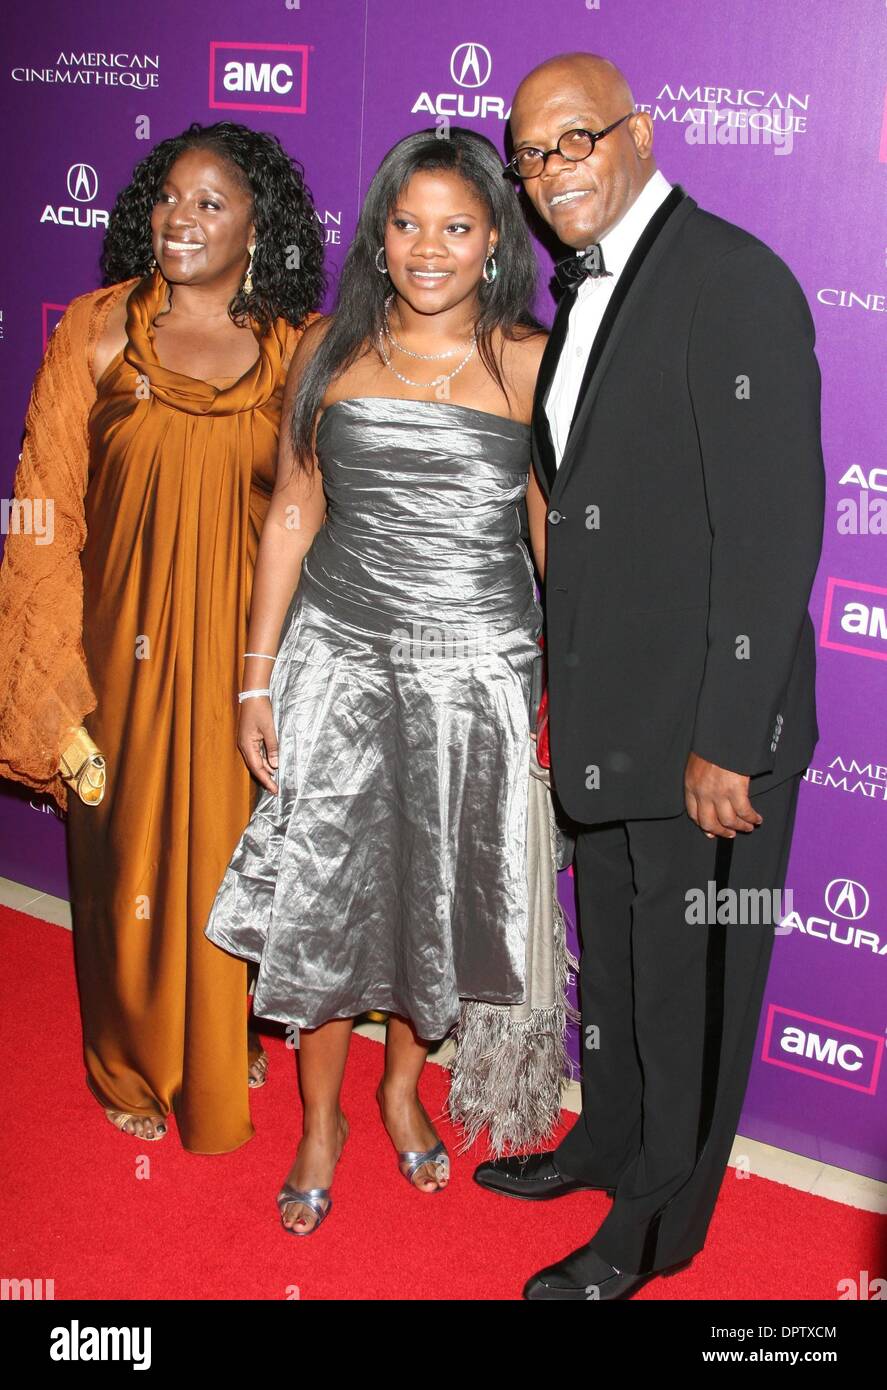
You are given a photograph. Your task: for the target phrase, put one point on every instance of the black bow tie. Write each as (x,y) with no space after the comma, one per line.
(574,269)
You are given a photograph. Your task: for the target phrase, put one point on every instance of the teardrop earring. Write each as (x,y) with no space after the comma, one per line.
(493,268)
(248,277)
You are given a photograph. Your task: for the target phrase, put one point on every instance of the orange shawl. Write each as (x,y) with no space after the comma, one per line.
(44,682)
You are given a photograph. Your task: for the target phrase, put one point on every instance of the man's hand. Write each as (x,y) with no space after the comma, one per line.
(717,799)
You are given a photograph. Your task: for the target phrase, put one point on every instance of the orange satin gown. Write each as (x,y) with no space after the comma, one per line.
(180,477)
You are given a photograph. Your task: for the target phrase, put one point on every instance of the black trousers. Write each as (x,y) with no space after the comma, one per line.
(670,1012)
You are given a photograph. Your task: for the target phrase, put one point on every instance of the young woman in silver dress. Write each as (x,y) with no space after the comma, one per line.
(386,701)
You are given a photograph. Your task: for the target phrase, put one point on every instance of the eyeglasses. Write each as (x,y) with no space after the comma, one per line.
(574,145)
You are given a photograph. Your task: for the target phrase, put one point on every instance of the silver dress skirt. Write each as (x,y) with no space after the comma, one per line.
(390,871)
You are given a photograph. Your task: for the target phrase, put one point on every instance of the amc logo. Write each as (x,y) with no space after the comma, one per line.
(854,618)
(824,1049)
(259,77)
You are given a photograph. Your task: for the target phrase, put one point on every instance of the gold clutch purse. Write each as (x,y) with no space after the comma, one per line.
(83,767)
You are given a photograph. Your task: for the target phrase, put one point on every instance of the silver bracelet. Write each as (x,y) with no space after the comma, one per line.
(248,694)
(264,655)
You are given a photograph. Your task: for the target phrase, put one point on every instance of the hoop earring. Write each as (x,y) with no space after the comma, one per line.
(383,269)
(494,269)
(248,277)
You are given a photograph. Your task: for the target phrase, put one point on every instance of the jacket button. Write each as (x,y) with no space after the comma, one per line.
(554,517)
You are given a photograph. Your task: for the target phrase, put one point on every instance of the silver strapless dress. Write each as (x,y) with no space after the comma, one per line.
(390,872)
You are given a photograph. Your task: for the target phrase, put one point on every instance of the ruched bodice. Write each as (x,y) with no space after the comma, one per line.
(422,522)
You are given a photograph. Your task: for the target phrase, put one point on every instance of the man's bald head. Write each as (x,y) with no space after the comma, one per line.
(598,75)
(586,91)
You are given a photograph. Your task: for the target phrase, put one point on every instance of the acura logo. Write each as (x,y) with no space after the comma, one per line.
(471,65)
(846,898)
(83,183)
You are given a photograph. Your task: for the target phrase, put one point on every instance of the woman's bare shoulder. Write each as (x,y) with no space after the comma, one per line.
(115,321)
(521,357)
(102,302)
(112,338)
(305,340)
(525,349)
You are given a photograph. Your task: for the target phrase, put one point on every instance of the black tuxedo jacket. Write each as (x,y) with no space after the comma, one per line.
(684,525)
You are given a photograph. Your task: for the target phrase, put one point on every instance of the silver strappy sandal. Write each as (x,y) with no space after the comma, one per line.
(309,1197)
(410,1161)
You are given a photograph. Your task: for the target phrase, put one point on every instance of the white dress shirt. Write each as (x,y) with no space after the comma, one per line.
(591,301)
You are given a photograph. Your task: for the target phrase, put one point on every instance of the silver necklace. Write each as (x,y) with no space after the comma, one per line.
(424,356)
(438,380)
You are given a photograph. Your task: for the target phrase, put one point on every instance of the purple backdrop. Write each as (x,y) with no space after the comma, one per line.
(772,116)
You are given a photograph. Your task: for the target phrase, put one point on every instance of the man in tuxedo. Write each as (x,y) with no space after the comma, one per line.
(676,442)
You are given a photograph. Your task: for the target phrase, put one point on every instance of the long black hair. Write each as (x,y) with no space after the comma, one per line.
(283,215)
(359,312)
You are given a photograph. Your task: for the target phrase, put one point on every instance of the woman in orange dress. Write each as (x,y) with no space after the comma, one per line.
(153,428)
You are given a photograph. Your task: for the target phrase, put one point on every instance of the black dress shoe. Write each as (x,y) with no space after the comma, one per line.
(534,1177)
(585,1275)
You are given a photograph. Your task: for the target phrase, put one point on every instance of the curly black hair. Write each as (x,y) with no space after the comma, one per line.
(283,214)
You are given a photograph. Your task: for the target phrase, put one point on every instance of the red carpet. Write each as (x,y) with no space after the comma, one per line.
(74,1210)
